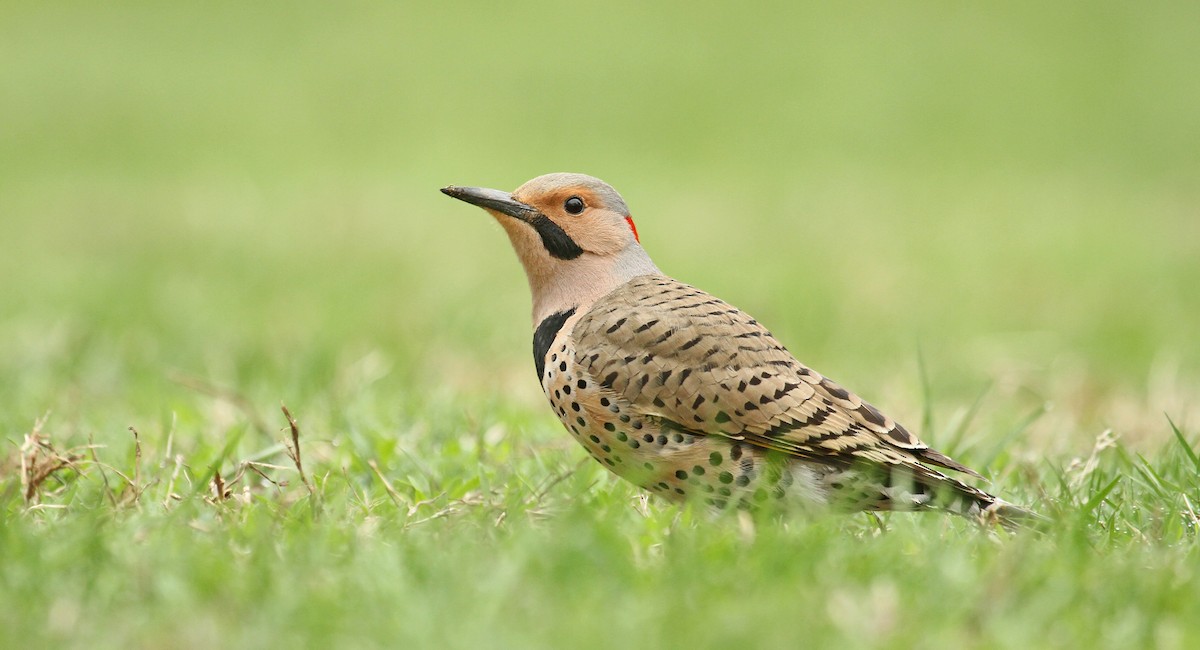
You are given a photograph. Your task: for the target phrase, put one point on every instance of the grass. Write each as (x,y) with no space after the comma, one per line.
(982,219)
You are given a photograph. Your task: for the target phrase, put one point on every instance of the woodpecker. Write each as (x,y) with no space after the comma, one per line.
(687,396)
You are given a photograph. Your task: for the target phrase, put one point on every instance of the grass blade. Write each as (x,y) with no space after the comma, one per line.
(1187,448)
(1099,496)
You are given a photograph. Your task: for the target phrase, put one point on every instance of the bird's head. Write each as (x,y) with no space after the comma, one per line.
(571,214)
(572,232)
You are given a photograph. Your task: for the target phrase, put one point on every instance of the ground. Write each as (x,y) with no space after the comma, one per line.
(981,219)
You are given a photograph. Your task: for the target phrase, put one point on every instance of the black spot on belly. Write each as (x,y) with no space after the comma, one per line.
(544,335)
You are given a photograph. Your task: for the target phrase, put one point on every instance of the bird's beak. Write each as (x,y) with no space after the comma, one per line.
(496,200)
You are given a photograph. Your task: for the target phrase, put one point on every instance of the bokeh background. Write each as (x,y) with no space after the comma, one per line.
(247,193)
(984,218)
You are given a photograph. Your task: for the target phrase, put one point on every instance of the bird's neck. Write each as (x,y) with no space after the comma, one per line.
(559,285)
(579,283)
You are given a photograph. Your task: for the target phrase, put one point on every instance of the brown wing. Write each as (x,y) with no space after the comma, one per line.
(677,353)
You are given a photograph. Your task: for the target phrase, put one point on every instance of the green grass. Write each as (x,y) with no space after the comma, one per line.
(983,219)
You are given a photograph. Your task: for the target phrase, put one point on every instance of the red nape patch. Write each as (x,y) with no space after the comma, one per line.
(629,220)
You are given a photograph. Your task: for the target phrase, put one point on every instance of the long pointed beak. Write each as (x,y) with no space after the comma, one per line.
(497,200)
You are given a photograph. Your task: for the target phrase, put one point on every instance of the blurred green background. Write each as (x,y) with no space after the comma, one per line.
(247,193)
(985,218)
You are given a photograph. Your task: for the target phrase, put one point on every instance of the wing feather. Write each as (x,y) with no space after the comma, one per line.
(679,354)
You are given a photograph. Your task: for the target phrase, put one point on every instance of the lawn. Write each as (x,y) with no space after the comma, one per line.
(985,220)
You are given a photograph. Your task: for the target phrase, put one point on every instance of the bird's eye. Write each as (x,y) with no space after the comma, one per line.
(574,205)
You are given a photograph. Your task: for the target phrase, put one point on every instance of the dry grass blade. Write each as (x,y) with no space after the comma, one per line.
(40,460)
(293,452)
(171,486)
(1081,470)
(137,458)
(396,497)
(220,492)
(254,467)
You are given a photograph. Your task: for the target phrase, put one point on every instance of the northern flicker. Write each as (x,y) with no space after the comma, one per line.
(687,396)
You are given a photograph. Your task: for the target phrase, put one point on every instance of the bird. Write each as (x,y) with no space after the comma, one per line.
(688,397)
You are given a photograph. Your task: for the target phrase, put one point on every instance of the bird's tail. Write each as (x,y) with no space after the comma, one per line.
(918,487)
(984,508)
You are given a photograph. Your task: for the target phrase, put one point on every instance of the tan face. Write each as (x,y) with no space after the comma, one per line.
(582,214)
(567,215)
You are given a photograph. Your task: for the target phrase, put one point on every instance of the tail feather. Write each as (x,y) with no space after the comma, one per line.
(922,488)
(984,508)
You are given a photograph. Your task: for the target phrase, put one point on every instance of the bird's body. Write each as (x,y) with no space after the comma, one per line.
(689,397)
